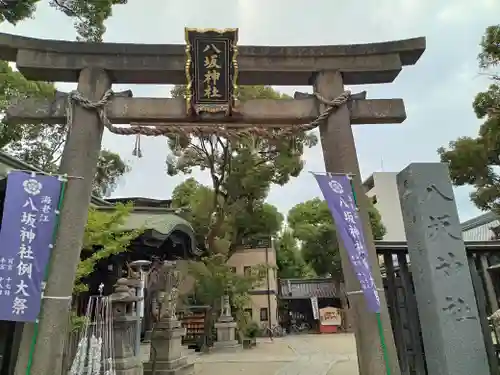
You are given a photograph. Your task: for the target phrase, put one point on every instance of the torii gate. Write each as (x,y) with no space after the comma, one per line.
(96,66)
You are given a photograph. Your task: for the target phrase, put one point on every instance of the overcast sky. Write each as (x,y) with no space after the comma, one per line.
(438,91)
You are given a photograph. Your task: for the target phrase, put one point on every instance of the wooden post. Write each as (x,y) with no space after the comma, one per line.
(339,152)
(488,283)
(79,159)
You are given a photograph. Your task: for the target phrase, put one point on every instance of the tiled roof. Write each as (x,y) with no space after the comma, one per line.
(300,289)
(162,222)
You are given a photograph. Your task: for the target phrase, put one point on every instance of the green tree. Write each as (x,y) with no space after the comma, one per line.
(475,160)
(262,220)
(312,224)
(214,278)
(15,11)
(289,258)
(102,239)
(110,169)
(241,171)
(41,145)
(89,15)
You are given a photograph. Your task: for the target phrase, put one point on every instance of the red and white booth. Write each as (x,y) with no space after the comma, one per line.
(330,319)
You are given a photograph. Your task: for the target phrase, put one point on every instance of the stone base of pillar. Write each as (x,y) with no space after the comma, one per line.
(128,366)
(147,337)
(180,366)
(227,346)
(226,335)
(166,356)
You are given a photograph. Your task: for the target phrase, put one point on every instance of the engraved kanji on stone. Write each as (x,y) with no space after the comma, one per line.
(448,263)
(459,309)
(434,189)
(440,224)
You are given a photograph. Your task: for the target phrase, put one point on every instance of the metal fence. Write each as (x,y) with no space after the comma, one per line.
(403,309)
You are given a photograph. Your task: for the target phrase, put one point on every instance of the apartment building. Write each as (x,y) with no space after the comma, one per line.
(263,307)
(382,189)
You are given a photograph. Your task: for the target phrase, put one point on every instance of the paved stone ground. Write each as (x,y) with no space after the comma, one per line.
(322,355)
(292,355)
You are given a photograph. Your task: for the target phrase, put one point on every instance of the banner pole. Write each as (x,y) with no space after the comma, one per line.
(47,271)
(383,346)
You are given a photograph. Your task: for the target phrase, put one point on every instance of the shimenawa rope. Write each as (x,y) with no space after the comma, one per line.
(227,131)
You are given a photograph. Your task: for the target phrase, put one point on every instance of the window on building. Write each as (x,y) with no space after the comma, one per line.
(264,314)
(262,273)
(233,269)
(247,270)
(248,312)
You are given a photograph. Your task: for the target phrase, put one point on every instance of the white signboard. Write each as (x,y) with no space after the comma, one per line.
(330,316)
(315,309)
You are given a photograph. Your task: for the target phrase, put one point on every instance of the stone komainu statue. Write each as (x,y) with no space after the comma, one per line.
(164,290)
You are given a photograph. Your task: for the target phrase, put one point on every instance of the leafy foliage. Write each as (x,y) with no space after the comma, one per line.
(475,161)
(289,258)
(89,15)
(41,145)
(262,220)
(15,11)
(214,278)
(489,57)
(102,239)
(311,223)
(110,168)
(241,171)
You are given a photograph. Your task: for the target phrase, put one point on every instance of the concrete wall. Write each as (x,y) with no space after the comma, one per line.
(259,298)
(382,188)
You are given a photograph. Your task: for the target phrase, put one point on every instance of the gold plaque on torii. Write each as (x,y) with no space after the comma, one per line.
(211,70)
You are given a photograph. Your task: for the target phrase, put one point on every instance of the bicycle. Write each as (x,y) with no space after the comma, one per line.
(277,330)
(300,328)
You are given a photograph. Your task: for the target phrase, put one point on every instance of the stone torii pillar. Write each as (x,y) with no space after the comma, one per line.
(339,152)
(94,66)
(79,159)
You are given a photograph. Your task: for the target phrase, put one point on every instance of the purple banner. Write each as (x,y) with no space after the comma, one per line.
(338,194)
(26,235)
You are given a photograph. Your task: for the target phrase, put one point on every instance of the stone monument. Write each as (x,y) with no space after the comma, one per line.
(447,307)
(226,328)
(166,357)
(124,323)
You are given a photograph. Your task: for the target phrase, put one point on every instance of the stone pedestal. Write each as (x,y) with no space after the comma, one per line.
(226,328)
(126,363)
(451,331)
(226,335)
(124,323)
(166,350)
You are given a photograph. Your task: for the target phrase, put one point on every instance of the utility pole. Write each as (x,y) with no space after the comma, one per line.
(339,152)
